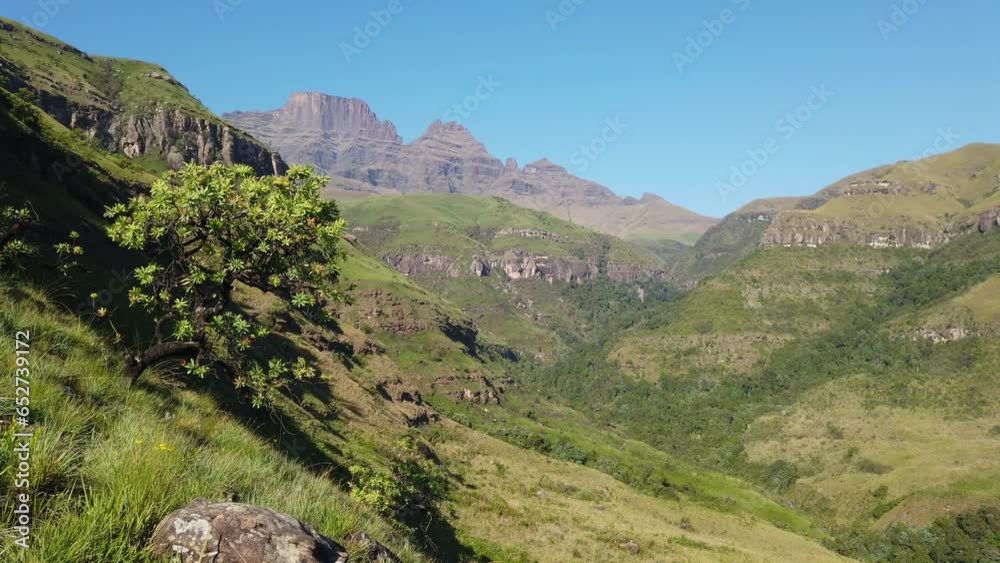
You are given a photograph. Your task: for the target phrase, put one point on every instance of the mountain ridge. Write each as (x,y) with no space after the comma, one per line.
(448,158)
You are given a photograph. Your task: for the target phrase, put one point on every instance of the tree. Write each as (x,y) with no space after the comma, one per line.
(207,229)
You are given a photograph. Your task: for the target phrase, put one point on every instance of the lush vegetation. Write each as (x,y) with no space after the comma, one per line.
(704,415)
(103,450)
(209,228)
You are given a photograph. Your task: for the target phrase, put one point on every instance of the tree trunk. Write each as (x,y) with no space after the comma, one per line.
(158,353)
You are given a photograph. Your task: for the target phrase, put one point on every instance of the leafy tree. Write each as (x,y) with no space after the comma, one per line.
(209,228)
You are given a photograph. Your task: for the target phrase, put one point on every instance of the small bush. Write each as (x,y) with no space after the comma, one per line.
(866,465)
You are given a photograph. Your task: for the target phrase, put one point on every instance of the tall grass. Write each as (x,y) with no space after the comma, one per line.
(109,461)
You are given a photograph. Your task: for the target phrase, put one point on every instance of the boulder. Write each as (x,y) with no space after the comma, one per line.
(988,221)
(631,546)
(373,550)
(229,532)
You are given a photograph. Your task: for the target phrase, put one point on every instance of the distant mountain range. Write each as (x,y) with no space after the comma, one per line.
(344,138)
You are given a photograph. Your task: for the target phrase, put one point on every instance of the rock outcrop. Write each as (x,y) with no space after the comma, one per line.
(131,107)
(516,264)
(943,335)
(229,532)
(802,229)
(989,221)
(182,138)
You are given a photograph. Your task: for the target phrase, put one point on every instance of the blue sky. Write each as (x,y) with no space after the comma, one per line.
(561,69)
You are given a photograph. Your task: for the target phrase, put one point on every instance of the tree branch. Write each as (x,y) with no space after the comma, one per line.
(159,352)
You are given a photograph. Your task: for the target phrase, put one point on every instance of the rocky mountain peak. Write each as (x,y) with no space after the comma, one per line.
(453,135)
(315,110)
(511,165)
(543,166)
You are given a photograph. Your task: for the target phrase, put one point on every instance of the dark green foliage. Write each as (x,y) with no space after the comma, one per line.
(408,490)
(13,247)
(210,228)
(972,537)
(706,423)
(866,465)
(23,105)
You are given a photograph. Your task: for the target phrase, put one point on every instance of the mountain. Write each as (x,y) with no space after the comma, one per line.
(343,137)
(908,204)
(130,107)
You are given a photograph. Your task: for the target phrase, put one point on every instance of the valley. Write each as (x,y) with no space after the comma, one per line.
(504,362)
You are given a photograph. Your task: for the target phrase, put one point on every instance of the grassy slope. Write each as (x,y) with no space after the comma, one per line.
(103,451)
(532,316)
(816,358)
(929,425)
(465,223)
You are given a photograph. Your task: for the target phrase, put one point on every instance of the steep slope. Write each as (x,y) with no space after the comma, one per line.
(343,138)
(519,273)
(132,107)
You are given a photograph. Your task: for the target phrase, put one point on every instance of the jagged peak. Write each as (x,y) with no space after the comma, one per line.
(545,165)
(441,128)
(452,133)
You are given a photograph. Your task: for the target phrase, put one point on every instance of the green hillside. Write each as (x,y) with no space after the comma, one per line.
(912,204)
(572,275)
(858,383)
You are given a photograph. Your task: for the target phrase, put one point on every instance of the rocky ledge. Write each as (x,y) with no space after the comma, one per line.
(173,134)
(516,264)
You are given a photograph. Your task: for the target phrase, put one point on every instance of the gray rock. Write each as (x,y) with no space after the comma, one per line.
(988,221)
(631,547)
(373,550)
(228,532)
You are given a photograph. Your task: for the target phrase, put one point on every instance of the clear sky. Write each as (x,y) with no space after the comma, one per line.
(562,68)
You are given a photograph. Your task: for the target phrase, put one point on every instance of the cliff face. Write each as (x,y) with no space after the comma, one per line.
(177,136)
(338,136)
(519,265)
(128,106)
(792,229)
